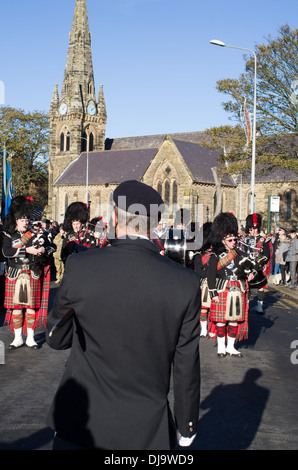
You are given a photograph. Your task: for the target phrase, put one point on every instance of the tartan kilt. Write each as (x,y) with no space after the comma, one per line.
(217,310)
(36,291)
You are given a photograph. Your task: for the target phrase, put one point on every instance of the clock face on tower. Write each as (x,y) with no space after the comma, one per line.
(63,108)
(91,109)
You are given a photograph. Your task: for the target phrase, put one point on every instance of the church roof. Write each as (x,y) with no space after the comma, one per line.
(268,175)
(122,163)
(150,140)
(200,160)
(113,166)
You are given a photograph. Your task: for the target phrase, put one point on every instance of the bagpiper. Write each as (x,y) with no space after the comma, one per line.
(28,276)
(201,261)
(99,230)
(258,249)
(227,276)
(77,237)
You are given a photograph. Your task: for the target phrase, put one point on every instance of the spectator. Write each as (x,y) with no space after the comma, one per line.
(292,258)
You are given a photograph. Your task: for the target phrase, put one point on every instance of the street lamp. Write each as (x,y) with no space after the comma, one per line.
(87,165)
(215,42)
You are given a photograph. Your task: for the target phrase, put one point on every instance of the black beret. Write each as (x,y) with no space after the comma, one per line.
(138,198)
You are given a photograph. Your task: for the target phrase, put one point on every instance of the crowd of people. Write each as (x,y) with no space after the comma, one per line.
(284,257)
(32,252)
(129,314)
(232,263)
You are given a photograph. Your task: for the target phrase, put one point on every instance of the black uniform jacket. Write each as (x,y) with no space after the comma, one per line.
(136,313)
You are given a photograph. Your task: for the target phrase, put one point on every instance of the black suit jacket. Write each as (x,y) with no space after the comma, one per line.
(136,314)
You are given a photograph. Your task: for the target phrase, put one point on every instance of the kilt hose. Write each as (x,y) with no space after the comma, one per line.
(40,289)
(217,311)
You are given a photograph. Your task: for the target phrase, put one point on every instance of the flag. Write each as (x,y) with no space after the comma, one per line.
(7,189)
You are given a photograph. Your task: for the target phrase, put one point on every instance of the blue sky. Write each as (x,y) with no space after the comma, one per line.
(153,57)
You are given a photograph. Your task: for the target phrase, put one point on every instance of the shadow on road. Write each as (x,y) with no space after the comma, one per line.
(38,440)
(234,415)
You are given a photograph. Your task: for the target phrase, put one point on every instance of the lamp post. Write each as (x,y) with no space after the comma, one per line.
(215,42)
(87,165)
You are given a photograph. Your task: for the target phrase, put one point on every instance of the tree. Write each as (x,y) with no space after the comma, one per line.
(277,75)
(277,107)
(26,139)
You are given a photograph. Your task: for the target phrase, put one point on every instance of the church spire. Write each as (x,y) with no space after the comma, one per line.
(77,120)
(55,101)
(102,111)
(78,88)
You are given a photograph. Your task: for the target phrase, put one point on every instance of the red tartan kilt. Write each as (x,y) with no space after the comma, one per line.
(218,310)
(36,290)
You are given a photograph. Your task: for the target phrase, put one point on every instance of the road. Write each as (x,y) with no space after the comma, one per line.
(246,403)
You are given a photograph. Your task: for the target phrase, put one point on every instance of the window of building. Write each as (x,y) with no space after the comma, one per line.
(175,193)
(84,142)
(67,142)
(91,142)
(288,205)
(167,193)
(159,188)
(66,202)
(62,142)
(214,202)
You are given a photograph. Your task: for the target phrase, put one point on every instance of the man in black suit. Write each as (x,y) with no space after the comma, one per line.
(135,314)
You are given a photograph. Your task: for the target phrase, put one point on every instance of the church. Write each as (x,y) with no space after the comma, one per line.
(85,165)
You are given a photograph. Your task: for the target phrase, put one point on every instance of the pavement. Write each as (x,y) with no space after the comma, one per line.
(285,291)
(248,403)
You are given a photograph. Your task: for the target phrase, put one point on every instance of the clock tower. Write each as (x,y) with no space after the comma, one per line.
(77,118)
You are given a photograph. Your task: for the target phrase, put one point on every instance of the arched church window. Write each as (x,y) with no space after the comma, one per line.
(91,142)
(159,188)
(175,193)
(288,205)
(84,142)
(66,202)
(67,142)
(214,202)
(62,142)
(167,193)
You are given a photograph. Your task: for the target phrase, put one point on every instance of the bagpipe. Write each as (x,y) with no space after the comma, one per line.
(40,239)
(253,252)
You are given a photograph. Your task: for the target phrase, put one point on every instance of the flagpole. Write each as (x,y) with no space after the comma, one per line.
(253,157)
